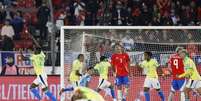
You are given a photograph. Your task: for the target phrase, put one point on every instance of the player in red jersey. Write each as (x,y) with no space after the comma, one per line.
(175,63)
(121,62)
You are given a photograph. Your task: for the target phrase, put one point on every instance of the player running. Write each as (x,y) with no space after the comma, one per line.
(175,63)
(38,60)
(150,65)
(194,82)
(102,69)
(121,62)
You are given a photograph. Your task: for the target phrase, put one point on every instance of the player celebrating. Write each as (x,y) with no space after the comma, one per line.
(120,62)
(150,65)
(38,60)
(102,69)
(175,63)
(194,82)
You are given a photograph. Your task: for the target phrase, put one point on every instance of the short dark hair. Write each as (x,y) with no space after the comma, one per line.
(103,58)
(148,53)
(118,44)
(38,49)
(80,55)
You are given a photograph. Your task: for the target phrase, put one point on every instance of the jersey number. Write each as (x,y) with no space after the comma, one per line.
(175,63)
(120,60)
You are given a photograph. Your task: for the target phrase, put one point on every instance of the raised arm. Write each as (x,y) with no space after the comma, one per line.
(23,57)
(187,73)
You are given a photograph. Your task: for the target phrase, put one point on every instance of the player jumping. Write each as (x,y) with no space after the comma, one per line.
(102,68)
(194,82)
(121,62)
(175,63)
(38,60)
(150,65)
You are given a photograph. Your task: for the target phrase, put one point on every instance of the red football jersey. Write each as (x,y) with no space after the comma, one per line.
(177,66)
(120,63)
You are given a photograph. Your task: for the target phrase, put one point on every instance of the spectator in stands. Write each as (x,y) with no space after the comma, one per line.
(100,15)
(61,20)
(145,15)
(155,21)
(43,15)
(166,20)
(91,9)
(198,2)
(7,33)
(119,15)
(17,23)
(2,14)
(38,3)
(7,2)
(10,68)
(79,8)
(127,42)
(164,7)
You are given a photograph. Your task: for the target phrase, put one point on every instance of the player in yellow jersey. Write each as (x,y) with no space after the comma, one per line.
(194,82)
(150,66)
(86,94)
(38,61)
(77,67)
(102,69)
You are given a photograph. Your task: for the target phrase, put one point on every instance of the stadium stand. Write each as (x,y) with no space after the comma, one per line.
(25,15)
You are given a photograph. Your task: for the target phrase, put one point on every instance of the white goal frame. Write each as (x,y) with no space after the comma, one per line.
(106,27)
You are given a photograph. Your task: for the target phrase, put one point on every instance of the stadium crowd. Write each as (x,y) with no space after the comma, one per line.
(33,16)
(129,12)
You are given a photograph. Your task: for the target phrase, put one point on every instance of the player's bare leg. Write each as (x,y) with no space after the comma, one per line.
(119,93)
(125,91)
(182,96)
(171,94)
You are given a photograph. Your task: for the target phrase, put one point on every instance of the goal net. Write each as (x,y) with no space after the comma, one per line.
(98,41)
